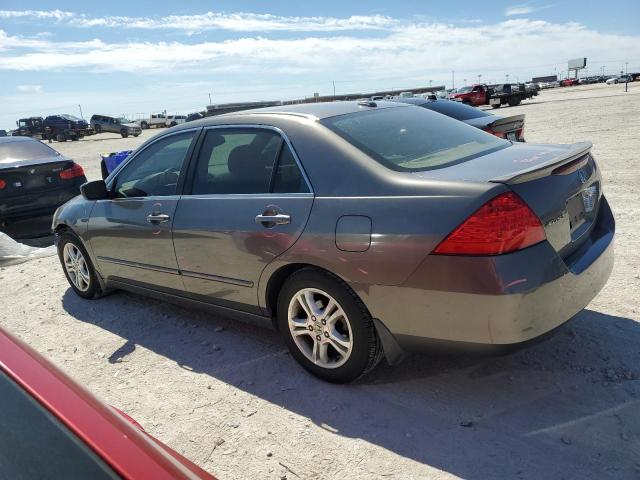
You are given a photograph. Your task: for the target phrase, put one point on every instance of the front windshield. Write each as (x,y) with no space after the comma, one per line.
(69,117)
(464,90)
(123,120)
(413,138)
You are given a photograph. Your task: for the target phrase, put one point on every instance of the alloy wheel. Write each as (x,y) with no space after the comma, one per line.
(320,328)
(76,266)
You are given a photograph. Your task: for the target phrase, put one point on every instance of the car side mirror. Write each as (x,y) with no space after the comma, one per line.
(96,190)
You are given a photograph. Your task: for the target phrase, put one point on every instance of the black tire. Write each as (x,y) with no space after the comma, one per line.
(93,290)
(173,124)
(61,137)
(136,134)
(496,106)
(144,125)
(103,169)
(514,102)
(75,139)
(366,350)
(97,128)
(124,133)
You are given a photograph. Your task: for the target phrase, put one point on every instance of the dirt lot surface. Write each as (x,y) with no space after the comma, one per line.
(229,397)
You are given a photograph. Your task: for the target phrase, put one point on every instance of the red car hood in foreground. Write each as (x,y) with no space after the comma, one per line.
(117,439)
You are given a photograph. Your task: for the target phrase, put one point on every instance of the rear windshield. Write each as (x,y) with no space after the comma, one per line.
(69,117)
(21,150)
(456,110)
(413,138)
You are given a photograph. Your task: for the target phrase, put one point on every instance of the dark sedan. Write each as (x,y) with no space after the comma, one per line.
(34,181)
(509,128)
(361,229)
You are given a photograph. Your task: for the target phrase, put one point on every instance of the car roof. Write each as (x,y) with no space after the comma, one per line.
(319,110)
(16,139)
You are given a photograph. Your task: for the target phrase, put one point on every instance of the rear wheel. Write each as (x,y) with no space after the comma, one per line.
(144,125)
(498,105)
(514,102)
(77,266)
(61,137)
(327,327)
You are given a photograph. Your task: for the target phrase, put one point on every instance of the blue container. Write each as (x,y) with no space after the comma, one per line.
(112,160)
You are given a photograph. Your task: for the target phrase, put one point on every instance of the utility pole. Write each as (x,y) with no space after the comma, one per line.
(465,82)
(507,78)
(479,77)
(626,68)
(80,107)
(430,82)
(209,99)
(453,81)
(334,89)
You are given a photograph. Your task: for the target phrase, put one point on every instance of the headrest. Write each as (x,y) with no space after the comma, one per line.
(240,159)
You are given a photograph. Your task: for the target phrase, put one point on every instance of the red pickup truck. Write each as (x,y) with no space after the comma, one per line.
(494,95)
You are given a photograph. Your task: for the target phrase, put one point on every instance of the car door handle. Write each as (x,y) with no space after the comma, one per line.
(277,219)
(158,218)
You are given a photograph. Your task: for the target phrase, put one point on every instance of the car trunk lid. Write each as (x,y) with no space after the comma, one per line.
(510,128)
(560,183)
(37,176)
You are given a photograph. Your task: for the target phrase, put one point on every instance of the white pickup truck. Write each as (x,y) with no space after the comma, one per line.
(154,120)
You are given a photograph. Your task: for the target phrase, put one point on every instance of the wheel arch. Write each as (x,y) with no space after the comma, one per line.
(393,353)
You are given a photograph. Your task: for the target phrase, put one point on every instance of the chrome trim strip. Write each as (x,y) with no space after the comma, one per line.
(274,129)
(217,278)
(144,266)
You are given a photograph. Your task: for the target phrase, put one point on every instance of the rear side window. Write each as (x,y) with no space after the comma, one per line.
(35,445)
(413,138)
(25,150)
(456,110)
(288,177)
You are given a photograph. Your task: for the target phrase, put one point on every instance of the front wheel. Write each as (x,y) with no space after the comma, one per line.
(144,125)
(124,133)
(327,328)
(77,267)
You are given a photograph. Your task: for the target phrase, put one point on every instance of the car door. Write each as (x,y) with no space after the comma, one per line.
(247,202)
(130,233)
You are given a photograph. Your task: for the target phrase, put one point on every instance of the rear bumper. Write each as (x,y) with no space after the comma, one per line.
(495,301)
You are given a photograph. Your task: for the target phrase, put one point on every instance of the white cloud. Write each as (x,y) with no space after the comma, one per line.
(524,9)
(245,22)
(29,88)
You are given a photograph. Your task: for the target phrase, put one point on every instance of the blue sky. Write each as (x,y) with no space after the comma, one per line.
(141,56)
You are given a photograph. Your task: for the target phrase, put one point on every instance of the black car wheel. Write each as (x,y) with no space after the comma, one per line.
(144,125)
(124,133)
(77,266)
(97,128)
(327,328)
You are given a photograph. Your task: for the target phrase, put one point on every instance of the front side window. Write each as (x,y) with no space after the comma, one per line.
(155,170)
(413,138)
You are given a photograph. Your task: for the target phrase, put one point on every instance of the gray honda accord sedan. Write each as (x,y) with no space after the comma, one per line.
(360,230)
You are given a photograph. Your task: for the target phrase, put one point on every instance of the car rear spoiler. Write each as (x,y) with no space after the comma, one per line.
(506,124)
(543,169)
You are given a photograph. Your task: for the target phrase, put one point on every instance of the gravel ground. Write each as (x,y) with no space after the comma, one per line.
(229,397)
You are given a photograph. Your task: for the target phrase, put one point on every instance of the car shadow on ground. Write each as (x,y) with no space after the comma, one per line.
(564,408)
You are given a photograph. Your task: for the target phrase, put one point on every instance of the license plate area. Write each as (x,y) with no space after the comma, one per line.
(512,136)
(581,209)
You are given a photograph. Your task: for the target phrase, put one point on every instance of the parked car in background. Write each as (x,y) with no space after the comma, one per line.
(34,181)
(347,224)
(569,82)
(154,120)
(3,133)
(619,79)
(55,429)
(194,116)
(173,120)
(107,123)
(109,162)
(509,128)
(65,127)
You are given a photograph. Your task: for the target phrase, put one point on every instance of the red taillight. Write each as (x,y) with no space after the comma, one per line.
(503,224)
(3,184)
(497,134)
(74,171)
